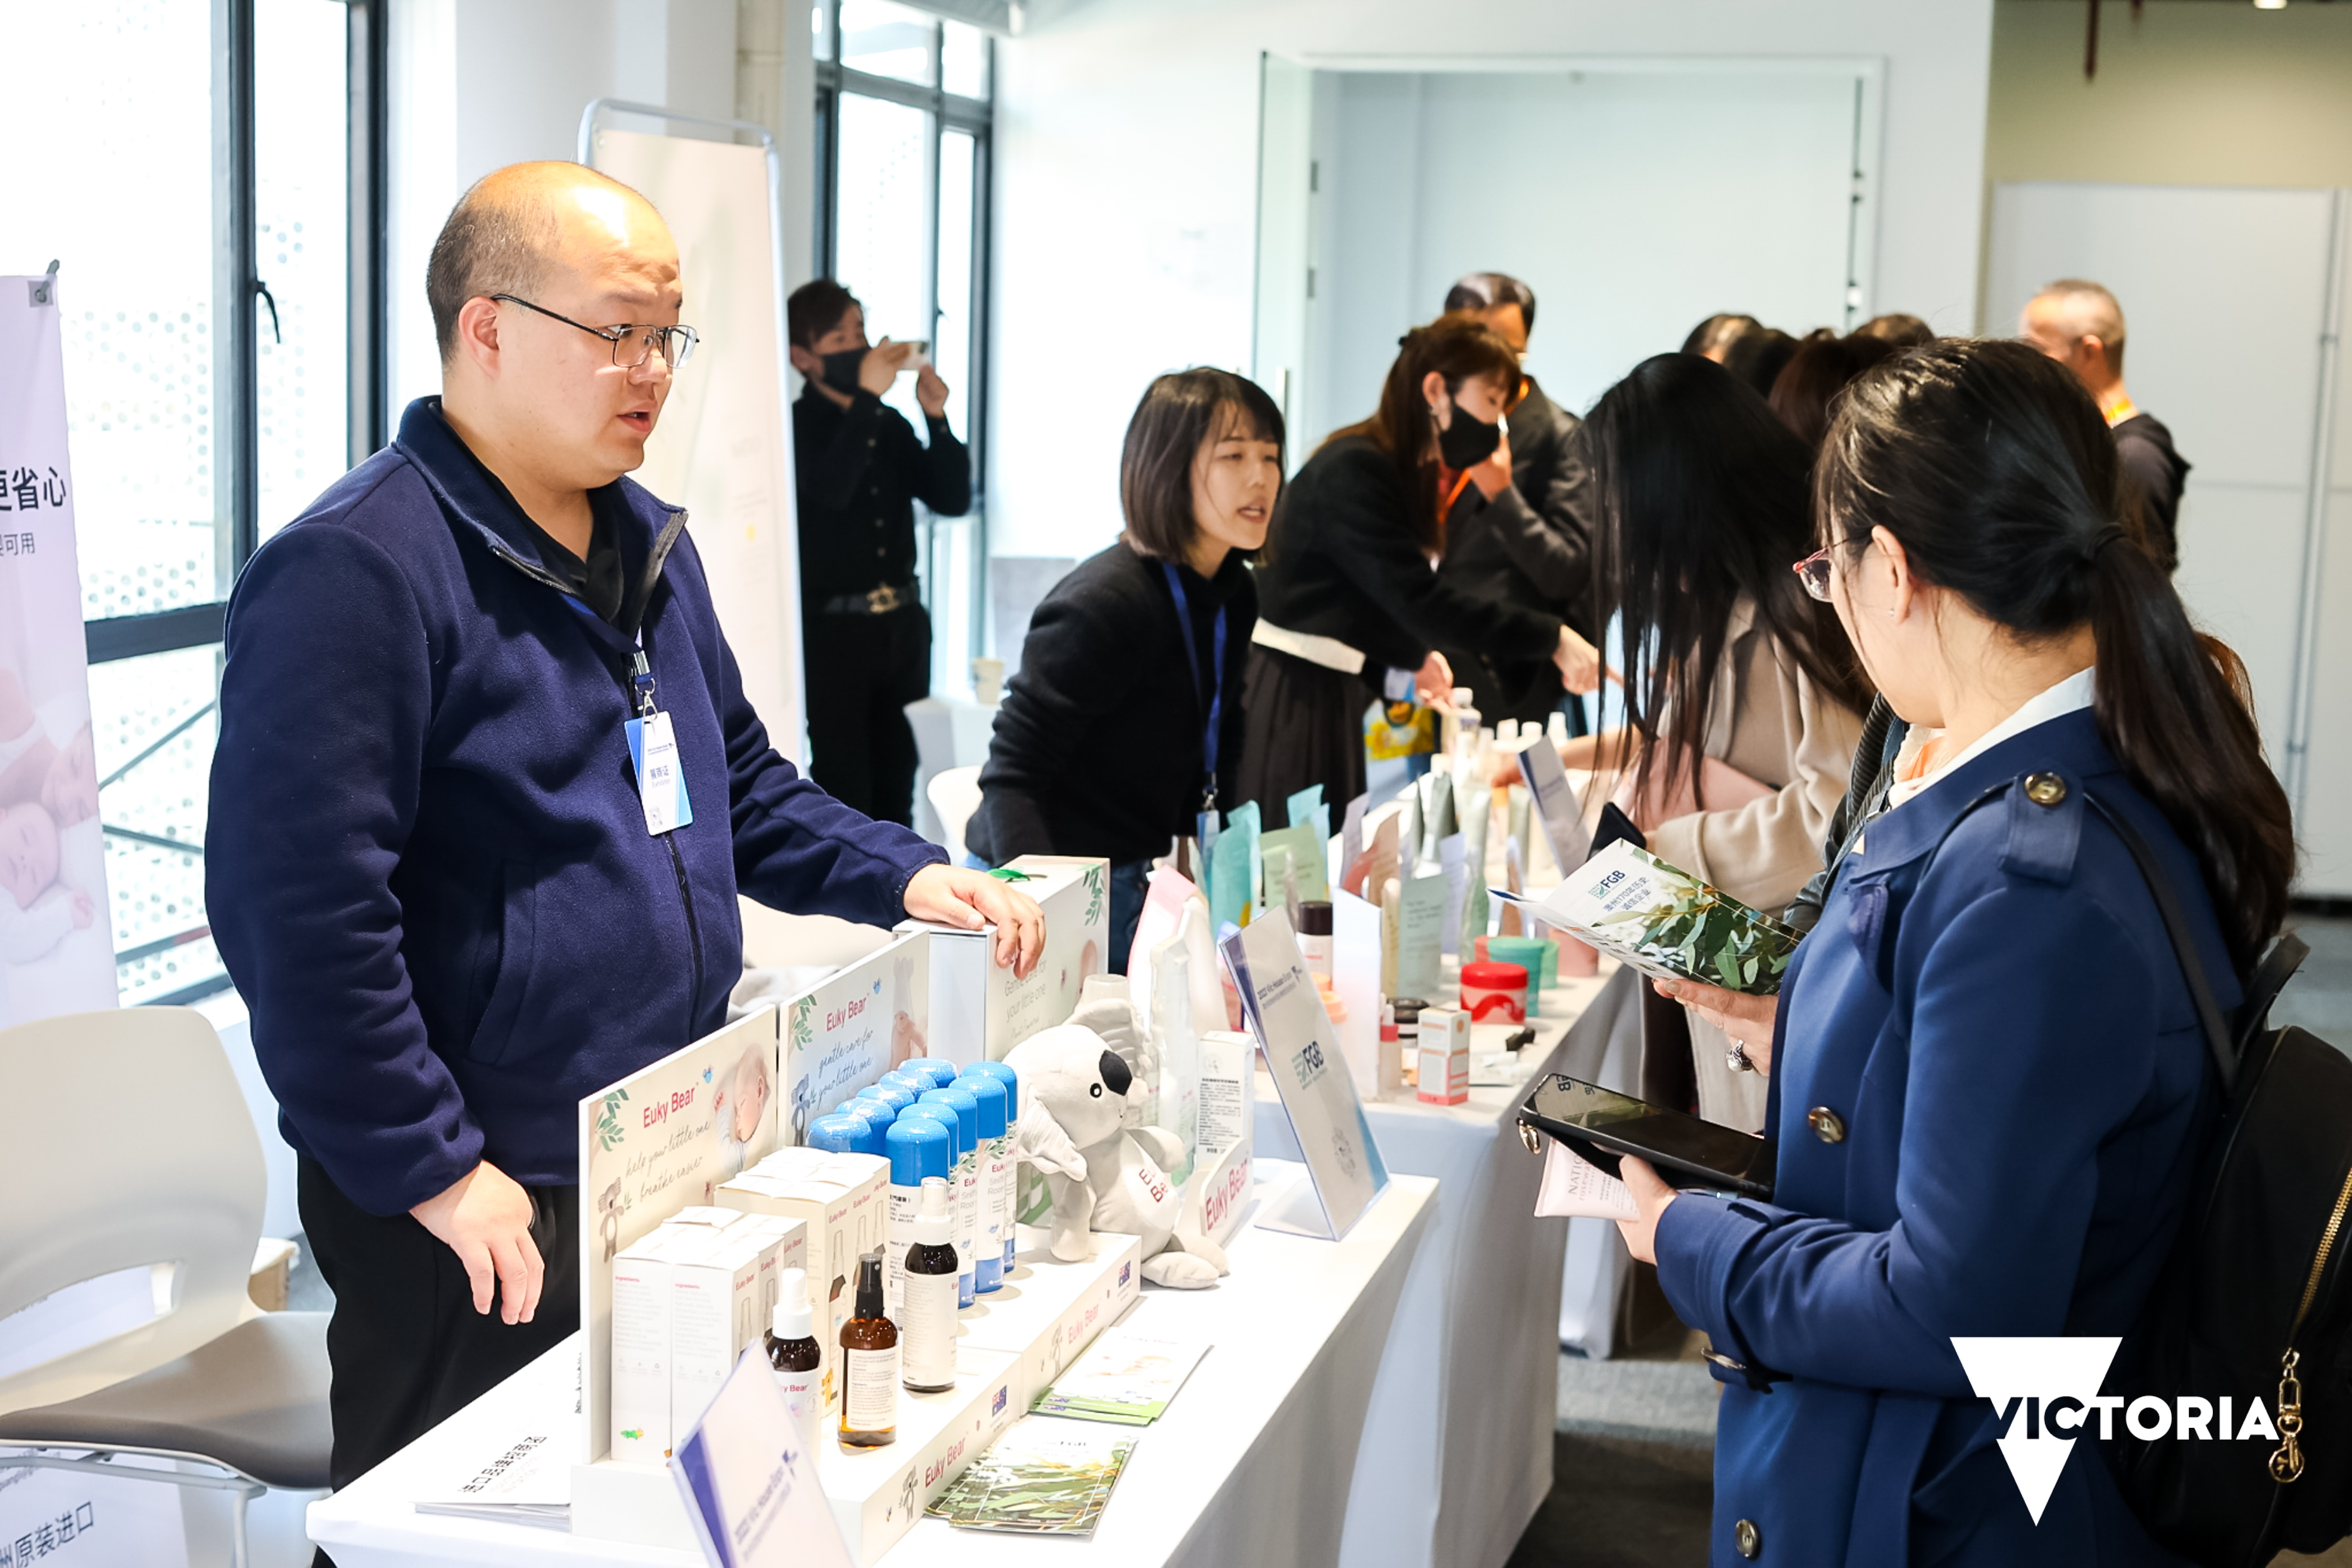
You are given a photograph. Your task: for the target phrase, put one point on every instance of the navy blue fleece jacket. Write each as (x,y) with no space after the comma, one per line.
(427,868)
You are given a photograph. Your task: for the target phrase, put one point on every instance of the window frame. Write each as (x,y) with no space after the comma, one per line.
(950,112)
(238,287)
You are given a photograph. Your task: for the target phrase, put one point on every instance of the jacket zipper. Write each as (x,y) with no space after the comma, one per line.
(661,552)
(2286,1464)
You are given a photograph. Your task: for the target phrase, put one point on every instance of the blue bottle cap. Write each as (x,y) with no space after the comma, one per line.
(918,1146)
(839,1134)
(942,1115)
(880,1112)
(967,1109)
(939,1069)
(914,1083)
(1004,1075)
(993,1098)
(889,1093)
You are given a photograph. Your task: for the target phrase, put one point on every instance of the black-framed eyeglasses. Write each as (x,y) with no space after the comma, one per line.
(675,344)
(1813,571)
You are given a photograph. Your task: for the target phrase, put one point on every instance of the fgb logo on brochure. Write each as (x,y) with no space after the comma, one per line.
(2045,1393)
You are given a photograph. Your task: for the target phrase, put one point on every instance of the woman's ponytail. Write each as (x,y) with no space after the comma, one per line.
(1994,469)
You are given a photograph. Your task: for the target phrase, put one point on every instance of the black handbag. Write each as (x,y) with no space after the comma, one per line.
(2250,1302)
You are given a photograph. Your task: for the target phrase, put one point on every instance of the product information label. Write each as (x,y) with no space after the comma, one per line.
(926,1331)
(869,1396)
(801,1398)
(967,1216)
(996,1197)
(906,1203)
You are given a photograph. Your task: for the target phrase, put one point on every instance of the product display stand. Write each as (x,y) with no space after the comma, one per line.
(1457,1453)
(1251,1464)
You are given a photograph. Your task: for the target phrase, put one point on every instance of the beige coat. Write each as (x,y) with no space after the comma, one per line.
(1772,724)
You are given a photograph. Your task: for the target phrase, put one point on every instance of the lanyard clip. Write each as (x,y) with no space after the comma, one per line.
(641,679)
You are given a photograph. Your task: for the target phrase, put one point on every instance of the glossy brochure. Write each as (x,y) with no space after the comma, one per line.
(1126,1377)
(1665,921)
(1042,1478)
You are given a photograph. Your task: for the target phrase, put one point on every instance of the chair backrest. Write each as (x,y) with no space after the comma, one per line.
(129,1145)
(955,795)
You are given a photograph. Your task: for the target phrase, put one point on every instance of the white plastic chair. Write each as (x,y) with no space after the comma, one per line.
(955,795)
(134,1151)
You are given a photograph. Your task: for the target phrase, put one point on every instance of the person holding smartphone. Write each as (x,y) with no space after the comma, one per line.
(860,469)
(1124,722)
(1991,1092)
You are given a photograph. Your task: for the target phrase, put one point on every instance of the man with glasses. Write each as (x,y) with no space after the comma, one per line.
(860,471)
(486,788)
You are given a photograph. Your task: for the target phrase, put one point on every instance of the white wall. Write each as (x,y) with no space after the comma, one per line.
(1127,173)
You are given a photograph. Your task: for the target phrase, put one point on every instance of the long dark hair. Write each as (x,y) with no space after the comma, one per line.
(1457,347)
(1703,498)
(1993,468)
(1820,369)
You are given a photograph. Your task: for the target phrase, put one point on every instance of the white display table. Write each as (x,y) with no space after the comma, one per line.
(1457,1454)
(1251,1464)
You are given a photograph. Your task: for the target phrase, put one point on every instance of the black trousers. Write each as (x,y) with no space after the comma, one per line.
(861,672)
(407,1347)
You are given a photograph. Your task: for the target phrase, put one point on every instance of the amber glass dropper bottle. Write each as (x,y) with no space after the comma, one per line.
(869,1350)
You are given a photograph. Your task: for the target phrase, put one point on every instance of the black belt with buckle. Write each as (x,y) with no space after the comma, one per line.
(879,601)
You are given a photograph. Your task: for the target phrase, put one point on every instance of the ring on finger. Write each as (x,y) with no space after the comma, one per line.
(1737,1057)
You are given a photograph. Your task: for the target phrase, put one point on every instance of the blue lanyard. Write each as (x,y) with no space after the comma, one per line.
(1215,698)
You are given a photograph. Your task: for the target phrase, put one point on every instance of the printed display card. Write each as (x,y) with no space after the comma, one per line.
(1556,806)
(1302,1053)
(1126,1377)
(1042,1478)
(750,1485)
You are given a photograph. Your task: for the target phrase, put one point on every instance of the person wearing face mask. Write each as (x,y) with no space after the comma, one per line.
(1124,722)
(1351,606)
(860,469)
(1523,530)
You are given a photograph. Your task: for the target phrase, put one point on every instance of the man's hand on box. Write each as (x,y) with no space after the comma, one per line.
(952,895)
(483,1218)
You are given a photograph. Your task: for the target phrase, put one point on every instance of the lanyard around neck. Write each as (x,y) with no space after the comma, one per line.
(1212,701)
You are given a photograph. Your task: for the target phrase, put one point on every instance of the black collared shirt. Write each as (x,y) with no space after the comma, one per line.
(595,582)
(860,471)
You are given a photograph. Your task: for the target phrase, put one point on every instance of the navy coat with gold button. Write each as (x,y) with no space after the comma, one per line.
(1990,1021)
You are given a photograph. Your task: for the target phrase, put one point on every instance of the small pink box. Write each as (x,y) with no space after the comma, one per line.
(1444,1057)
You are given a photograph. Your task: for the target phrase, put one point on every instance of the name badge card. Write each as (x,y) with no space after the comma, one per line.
(750,1484)
(661,782)
(1556,806)
(1302,1053)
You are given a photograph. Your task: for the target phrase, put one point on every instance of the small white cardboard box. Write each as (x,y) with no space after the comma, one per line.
(1073,893)
(842,1200)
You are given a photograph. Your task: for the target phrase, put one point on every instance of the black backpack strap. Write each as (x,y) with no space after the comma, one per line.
(2184,946)
(2271,975)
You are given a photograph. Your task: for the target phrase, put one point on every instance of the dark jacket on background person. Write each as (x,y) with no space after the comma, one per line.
(1097,748)
(1532,545)
(2155,473)
(428,865)
(1342,561)
(1989,1092)
(858,470)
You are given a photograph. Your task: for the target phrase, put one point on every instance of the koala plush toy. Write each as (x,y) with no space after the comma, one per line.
(1103,1174)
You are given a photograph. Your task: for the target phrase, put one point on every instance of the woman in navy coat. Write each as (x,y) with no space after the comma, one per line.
(1990,1090)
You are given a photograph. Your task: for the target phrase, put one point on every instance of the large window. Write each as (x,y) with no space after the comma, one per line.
(205,181)
(902,127)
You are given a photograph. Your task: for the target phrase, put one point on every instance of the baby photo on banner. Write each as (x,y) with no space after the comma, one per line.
(57,944)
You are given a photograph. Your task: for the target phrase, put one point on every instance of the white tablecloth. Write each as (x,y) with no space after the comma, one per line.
(1250,1465)
(1457,1453)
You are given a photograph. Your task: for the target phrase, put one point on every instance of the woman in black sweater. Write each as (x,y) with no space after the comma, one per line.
(1124,722)
(1353,607)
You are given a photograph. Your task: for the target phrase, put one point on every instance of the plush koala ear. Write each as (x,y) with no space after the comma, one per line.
(1115,1074)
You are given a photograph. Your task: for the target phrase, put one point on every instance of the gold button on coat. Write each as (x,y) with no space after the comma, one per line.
(1748,1539)
(1826,1124)
(2044,789)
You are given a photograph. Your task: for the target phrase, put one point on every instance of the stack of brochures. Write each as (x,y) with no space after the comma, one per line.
(526,1480)
(1042,1478)
(1665,921)
(1126,1377)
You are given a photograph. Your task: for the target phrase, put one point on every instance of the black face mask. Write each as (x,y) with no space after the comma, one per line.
(841,369)
(1467,442)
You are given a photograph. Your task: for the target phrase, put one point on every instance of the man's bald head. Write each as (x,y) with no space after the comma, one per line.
(2073,308)
(515,225)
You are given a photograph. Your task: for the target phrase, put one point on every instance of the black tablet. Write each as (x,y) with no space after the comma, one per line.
(1600,1124)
